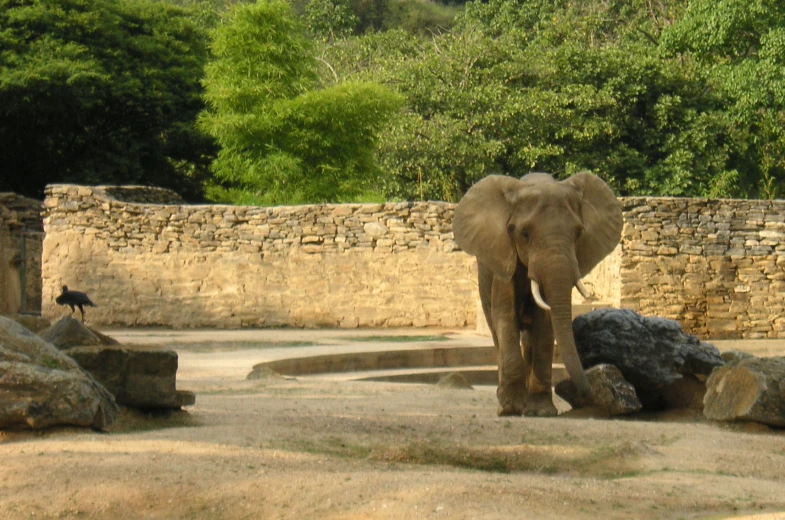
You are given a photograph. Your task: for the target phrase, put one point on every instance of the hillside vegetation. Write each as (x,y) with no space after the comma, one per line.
(342,100)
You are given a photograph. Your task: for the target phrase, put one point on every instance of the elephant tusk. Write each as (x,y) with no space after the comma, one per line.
(538,297)
(583,290)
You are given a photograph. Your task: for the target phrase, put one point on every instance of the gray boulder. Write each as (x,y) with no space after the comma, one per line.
(612,394)
(41,386)
(69,332)
(142,377)
(651,353)
(747,389)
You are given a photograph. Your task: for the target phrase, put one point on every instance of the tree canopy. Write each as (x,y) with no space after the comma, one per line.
(285,138)
(100,91)
(335,100)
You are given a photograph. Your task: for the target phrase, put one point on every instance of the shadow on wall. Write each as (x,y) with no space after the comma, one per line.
(171,289)
(10,281)
(350,265)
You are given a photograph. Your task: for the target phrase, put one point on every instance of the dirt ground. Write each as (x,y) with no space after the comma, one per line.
(311,448)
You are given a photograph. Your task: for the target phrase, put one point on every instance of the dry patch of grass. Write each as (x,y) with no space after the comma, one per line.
(601,461)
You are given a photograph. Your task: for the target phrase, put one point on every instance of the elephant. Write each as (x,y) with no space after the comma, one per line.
(534,239)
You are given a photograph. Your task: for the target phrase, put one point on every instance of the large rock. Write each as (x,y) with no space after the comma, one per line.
(651,353)
(41,386)
(69,332)
(142,377)
(612,394)
(747,389)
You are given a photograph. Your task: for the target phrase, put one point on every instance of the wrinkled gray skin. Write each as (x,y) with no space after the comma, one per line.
(538,230)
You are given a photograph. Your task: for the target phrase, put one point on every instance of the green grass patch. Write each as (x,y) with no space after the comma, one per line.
(394,339)
(50,362)
(435,453)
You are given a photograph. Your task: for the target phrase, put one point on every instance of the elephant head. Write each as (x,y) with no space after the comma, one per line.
(558,230)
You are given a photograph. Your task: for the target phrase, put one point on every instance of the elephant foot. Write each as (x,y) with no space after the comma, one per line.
(512,399)
(540,405)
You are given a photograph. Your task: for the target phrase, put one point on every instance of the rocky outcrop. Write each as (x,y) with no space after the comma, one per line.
(41,386)
(69,332)
(137,376)
(652,354)
(612,394)
(747,389)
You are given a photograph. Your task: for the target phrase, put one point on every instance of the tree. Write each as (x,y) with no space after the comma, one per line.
(285,139)
(741,45)
(104,91)
(553,86)
(330,19)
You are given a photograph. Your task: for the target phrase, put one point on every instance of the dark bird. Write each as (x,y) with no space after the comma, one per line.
(72,298)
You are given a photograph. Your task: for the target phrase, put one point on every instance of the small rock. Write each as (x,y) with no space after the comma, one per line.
(185,398)
(747,389)
(454,380)
(69,332)
(612,393)
(374,229)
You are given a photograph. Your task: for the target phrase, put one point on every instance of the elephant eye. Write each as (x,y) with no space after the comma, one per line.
(579,233)
(524,234)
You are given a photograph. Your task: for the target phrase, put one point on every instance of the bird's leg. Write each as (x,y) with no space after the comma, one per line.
(82,311)
(73,309)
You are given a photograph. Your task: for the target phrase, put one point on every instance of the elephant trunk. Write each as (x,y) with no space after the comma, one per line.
(558,293)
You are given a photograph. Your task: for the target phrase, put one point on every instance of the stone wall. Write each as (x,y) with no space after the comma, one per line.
(716,266)
(21,241)
(232,266)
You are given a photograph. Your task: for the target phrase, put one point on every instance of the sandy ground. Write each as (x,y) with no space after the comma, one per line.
(312,448)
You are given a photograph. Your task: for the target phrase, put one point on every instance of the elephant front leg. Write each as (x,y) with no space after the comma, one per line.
(537,342)
(511,392)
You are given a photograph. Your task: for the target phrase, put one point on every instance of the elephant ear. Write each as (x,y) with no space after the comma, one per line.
(480,224)
(602,220)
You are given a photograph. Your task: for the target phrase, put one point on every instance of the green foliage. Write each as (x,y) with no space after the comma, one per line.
(659,97)
(330,19)
(741,46)
(284,139)
(418,17)
(526,85)
(98,92)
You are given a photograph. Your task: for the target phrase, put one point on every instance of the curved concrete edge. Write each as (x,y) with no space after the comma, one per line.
(380,360)
(474,375)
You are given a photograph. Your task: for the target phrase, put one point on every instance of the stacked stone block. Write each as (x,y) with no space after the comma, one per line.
(341,265)
(716,266)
